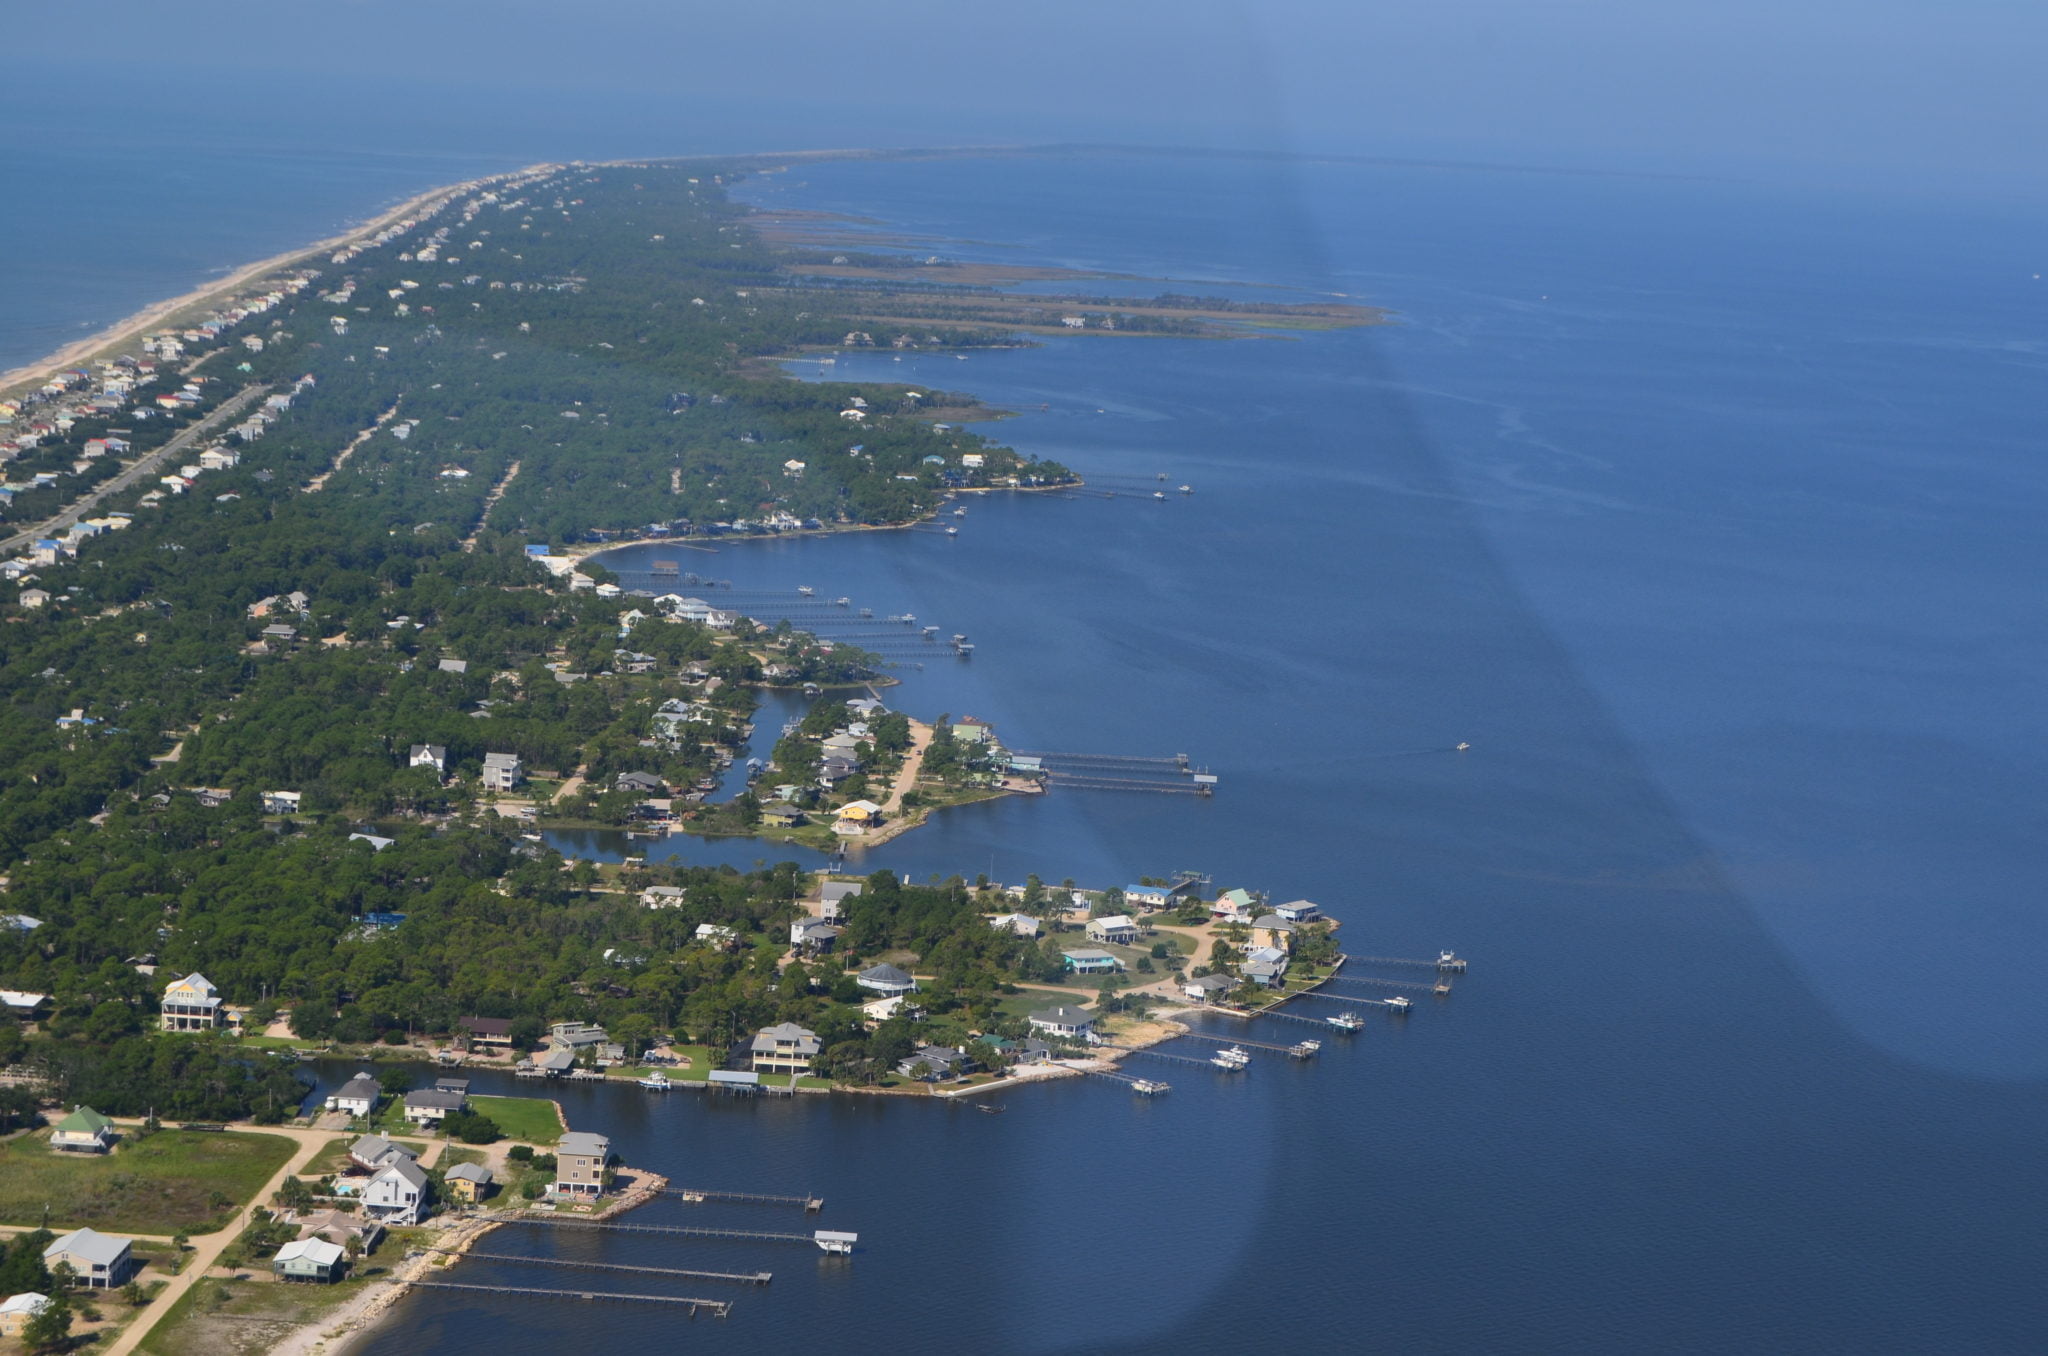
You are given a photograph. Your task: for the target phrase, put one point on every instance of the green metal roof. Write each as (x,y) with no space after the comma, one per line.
(85,1121)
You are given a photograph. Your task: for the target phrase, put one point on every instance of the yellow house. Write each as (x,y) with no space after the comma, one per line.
(18,1310)
(1274,931)
(860,812)
(469,1182)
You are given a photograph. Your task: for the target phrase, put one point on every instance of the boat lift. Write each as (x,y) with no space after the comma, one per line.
(1441,986)
(1400,1003)
(1299,1050)
(1343,1021)
(1144,1087)
(1218,1061)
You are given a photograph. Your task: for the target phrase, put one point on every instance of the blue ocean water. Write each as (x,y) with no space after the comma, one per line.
(1705,513)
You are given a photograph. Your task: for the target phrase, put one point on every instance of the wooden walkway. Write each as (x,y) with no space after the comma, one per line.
(811,1204)
(737,1277)
(718,1307)
(674,1230)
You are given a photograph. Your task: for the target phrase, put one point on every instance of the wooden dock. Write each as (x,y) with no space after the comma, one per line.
(1161,1054)
(1394,1004)
(1392,983)
(1447,961)
(1059,777)
(1300,1050)
(674,1230)
(717,1307)
(696,1195)
(736,1277)
(1323,1022)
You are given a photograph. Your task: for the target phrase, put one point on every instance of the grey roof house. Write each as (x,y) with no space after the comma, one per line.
(887,980)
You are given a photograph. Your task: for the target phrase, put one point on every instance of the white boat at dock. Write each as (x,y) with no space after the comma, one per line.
(656,1082)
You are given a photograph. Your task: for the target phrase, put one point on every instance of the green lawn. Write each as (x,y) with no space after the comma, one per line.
(175,1181)
(701,1063)
(530,1120)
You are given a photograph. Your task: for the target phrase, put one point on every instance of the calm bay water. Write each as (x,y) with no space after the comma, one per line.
(1707,516)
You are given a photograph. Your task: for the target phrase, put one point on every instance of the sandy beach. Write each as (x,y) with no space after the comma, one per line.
(153,316)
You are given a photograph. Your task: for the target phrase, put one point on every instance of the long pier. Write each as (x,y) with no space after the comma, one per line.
(1393,1003)
(1300,1050)
(674,1230)
(1392,983)
(811,1204)
(1447,961)
(1148,1087)
(1085,783)
(1161,1054)
(737,1277)
(1179,761)
(1322,1022)
(718,1307)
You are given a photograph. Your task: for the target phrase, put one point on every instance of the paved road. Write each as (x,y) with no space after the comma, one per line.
(135,472)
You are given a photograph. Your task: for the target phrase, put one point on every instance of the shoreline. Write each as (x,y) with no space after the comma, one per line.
(154,315)
(589,550)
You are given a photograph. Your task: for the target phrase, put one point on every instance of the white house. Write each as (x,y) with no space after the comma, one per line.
(359,1096)
(1147,896)
(396,1193)
(1068,1023)
(191,1004)
(1023,924)
(428,755)
(1116,929)
(431,1106)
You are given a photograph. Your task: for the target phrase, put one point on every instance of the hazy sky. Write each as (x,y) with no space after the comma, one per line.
(1938,90)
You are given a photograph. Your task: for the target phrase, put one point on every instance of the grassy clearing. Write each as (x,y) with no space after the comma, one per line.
(530,1120)
(246,1317)
(175,1181)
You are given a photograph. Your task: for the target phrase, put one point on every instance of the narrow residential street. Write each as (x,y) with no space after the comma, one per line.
(80,508)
